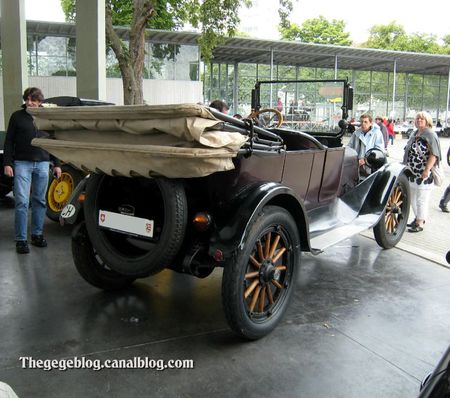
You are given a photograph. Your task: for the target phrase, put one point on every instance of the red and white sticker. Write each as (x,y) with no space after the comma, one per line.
(126,224)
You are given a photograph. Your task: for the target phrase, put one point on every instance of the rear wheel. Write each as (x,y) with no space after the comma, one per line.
(91,266)
(391,226)
(161,200)
(60,190)
(258,281)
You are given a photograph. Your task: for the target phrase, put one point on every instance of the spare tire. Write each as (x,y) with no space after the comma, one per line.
(91,267)
(161,200)
(60,189)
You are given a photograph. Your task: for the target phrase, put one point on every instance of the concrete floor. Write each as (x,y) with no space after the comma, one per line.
(363,322)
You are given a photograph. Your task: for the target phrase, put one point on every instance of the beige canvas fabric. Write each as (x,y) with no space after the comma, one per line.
(176,141)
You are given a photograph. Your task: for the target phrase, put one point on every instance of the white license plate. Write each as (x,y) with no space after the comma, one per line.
(125,224)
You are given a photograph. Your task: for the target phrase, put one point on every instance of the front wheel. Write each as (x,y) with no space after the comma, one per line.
(258,281)
(392,224)
(91,266)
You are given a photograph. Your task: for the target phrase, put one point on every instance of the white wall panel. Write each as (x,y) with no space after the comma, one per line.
(54,86)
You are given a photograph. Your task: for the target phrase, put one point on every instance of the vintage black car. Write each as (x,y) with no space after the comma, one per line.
(238,195)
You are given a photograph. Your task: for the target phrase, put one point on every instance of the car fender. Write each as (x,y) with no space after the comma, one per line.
(246,209)
(383,182)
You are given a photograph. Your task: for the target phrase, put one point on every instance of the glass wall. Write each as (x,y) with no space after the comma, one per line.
(50,56)
(171,62)
(55,56)
(163,62)
(373,91)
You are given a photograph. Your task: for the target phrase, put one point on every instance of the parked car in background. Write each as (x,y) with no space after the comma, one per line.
(59,190)
(6,183)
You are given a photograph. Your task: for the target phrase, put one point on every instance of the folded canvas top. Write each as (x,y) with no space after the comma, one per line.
(176,141)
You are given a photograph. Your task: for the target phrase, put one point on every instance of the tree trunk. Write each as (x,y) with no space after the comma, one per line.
(131,59)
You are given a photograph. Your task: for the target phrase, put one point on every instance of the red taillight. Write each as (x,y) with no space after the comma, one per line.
(218,255)
(202,221)
(81,197)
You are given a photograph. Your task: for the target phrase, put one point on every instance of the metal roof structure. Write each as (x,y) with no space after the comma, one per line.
(248,50)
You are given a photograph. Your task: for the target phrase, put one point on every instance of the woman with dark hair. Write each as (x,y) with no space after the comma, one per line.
(422,151)
(29,165)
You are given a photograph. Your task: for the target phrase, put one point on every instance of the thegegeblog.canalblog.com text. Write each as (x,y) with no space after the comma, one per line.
(99,364)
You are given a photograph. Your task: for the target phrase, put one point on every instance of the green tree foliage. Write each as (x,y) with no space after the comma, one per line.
(446,47)
(387,37)
(316,30)
(216,18)
(166,15)
(284,11)
(393,37)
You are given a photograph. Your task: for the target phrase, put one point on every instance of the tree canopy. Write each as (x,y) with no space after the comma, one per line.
(393,37)
(316,30)
(217,19)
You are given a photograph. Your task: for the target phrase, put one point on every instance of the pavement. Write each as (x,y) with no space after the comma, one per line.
(433,242)
(362,322)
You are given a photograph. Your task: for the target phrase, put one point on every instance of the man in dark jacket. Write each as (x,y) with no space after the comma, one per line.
(29,165)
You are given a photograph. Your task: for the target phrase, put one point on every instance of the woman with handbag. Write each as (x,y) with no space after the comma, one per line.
(422,152)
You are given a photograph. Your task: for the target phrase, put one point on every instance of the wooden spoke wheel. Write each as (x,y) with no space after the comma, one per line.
(258,282)
(389,230)
(267,117)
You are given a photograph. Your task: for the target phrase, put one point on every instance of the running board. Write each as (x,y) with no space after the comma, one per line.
(335,235)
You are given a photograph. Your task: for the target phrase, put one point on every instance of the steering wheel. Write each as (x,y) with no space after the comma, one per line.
(267,117)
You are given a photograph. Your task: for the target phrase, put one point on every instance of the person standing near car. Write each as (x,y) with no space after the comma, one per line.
(367,136)
(443,203)
(279,105)
(29,165)
(390,130)
(220,105)
(422,151)
(384,132)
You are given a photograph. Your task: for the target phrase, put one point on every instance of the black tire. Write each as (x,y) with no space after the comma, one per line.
(60,190)
(90,265)
(269,288)
(160,199)
(392,224)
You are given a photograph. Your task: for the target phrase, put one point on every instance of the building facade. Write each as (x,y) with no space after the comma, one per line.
(392,84)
